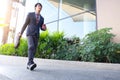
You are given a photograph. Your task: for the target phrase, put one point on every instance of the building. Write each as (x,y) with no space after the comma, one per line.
(73,17)
(108,15)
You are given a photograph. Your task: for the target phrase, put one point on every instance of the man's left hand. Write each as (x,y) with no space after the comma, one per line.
(44,28)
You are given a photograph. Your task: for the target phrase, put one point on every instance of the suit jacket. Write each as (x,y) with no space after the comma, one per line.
(33,29)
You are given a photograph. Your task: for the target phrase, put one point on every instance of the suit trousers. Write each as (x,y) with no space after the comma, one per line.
(32,46)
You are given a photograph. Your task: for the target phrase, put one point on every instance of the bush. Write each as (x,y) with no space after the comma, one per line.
(22,49)
(68,49)
(7,49)
(95,47)
(55,46)
(98,47)
(50,46)
(68,52)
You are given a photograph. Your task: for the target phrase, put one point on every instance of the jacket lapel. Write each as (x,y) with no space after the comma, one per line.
(40,20)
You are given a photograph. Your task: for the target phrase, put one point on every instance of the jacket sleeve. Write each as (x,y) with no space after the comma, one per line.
(42,23)
(25,24)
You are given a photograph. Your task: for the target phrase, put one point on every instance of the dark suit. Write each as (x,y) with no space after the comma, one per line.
(32,34)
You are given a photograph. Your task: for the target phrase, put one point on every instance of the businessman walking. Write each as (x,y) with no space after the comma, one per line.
(34,22)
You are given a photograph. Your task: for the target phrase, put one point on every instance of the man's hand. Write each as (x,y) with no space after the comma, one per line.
(44,28)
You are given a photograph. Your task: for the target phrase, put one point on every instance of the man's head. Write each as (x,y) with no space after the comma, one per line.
(38,7)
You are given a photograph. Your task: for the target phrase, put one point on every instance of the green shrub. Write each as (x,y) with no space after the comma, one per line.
(68,49)
(7,49)
(98,47)
(68,52)
(50,46)
(23,48)
(48,43)
(55,46)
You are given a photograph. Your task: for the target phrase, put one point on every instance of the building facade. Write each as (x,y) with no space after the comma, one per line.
(108,15)
(73,17)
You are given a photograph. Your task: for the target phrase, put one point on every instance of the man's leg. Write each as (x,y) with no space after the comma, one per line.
(31,52)
(36,43)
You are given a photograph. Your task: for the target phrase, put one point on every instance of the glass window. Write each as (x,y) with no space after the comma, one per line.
(75,16)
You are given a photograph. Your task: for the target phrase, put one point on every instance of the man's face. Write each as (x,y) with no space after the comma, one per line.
(38,8)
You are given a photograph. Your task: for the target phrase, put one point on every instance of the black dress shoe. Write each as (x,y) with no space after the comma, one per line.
(31,67)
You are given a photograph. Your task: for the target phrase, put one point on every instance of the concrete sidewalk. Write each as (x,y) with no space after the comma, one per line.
(14,68)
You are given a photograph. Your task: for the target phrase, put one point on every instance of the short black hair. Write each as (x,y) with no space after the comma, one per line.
(38,4)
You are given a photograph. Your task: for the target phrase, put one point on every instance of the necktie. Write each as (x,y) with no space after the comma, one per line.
(37,18)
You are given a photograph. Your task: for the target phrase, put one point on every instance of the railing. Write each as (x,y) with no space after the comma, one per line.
(89,11)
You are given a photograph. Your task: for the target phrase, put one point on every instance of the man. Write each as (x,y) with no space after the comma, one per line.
(35,22)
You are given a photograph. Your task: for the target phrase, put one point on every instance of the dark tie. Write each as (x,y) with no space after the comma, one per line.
(37,18)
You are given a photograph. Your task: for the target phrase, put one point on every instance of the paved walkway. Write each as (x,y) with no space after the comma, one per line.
(14,68)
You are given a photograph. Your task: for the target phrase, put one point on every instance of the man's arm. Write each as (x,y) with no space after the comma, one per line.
(43,27)
(25,25)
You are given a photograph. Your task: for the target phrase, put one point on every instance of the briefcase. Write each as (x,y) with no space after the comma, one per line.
(17,41)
